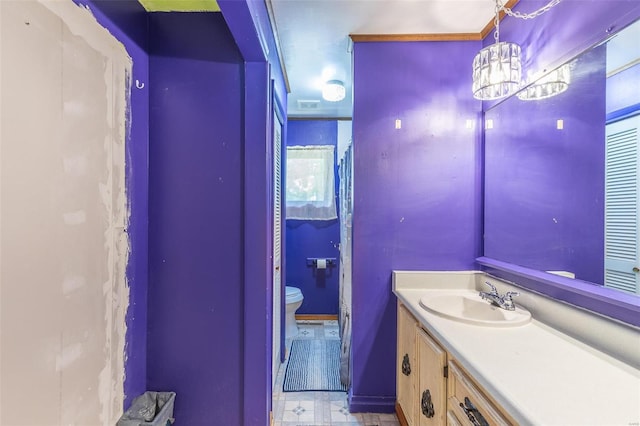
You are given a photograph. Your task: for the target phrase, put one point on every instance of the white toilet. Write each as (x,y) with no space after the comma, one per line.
(294,300)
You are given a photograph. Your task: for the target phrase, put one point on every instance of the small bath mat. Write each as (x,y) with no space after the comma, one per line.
(314,365)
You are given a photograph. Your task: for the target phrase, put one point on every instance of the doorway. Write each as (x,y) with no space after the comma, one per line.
(314,324)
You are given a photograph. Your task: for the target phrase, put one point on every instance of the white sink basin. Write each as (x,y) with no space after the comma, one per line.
(470,308)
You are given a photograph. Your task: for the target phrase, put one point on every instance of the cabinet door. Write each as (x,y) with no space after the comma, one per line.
(432,391)
(407,367)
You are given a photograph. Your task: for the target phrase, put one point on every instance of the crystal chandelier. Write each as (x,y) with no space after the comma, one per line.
(497,69)
(552,84)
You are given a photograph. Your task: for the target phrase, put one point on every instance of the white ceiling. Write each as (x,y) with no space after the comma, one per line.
(315,44)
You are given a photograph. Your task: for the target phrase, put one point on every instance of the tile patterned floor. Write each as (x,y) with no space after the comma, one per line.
(319,408)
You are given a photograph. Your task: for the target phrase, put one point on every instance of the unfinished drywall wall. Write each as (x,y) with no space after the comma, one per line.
(63,215)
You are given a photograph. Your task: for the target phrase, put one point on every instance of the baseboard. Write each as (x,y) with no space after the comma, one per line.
(316,317)
(401,418)
(372,404)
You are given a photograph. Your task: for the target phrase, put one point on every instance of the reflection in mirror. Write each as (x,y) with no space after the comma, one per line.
(561,169)
(552,84)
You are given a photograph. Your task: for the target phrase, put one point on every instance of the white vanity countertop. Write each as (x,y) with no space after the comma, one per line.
(537,374)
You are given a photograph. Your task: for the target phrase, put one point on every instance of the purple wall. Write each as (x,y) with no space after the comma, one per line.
(258,246)
(544,187)
(314,238)
(195,330)
(264,90)
(206,200)
(211,212)
(417,189)
(127,21)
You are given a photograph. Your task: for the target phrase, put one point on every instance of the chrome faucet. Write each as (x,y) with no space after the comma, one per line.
(505,301)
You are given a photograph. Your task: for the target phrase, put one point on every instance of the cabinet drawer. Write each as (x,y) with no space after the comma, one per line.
(467,404)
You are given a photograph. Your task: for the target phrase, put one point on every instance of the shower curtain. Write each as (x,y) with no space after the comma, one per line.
(346,211)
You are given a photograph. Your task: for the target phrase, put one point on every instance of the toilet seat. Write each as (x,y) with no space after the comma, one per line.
(293,294)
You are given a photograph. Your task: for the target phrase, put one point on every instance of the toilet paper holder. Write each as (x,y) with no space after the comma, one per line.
(313,261)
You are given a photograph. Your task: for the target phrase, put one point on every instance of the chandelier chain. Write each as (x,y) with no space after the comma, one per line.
(496,23)
(531,15)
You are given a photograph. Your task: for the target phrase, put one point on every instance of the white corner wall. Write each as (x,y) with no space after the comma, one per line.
(63,242)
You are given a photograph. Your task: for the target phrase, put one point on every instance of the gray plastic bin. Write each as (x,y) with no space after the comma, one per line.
(150,409)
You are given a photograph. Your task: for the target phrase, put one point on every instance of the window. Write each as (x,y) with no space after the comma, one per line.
(310,185)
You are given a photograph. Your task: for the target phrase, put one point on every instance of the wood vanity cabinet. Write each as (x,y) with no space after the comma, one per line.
(406,371)
(432,388)
(421,386)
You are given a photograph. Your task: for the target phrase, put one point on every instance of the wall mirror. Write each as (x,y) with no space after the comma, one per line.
(562,170)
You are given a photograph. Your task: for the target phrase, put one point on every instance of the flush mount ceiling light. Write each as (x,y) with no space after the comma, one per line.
(552,84)
(497,69)
(333,91)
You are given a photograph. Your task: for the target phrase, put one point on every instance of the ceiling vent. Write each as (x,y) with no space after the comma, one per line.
(308,104)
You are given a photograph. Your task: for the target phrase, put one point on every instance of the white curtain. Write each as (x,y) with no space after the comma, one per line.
(310,184)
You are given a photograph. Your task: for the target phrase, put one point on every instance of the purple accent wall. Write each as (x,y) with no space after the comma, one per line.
(196,294)
(249,22)
(264,88)
(313,238)
(544,187)
(258,246)
(417,189)
(127,21)
(207,107)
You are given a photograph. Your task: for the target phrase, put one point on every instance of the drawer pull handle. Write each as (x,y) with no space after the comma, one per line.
(473,414)
(427,404)
(406,366)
